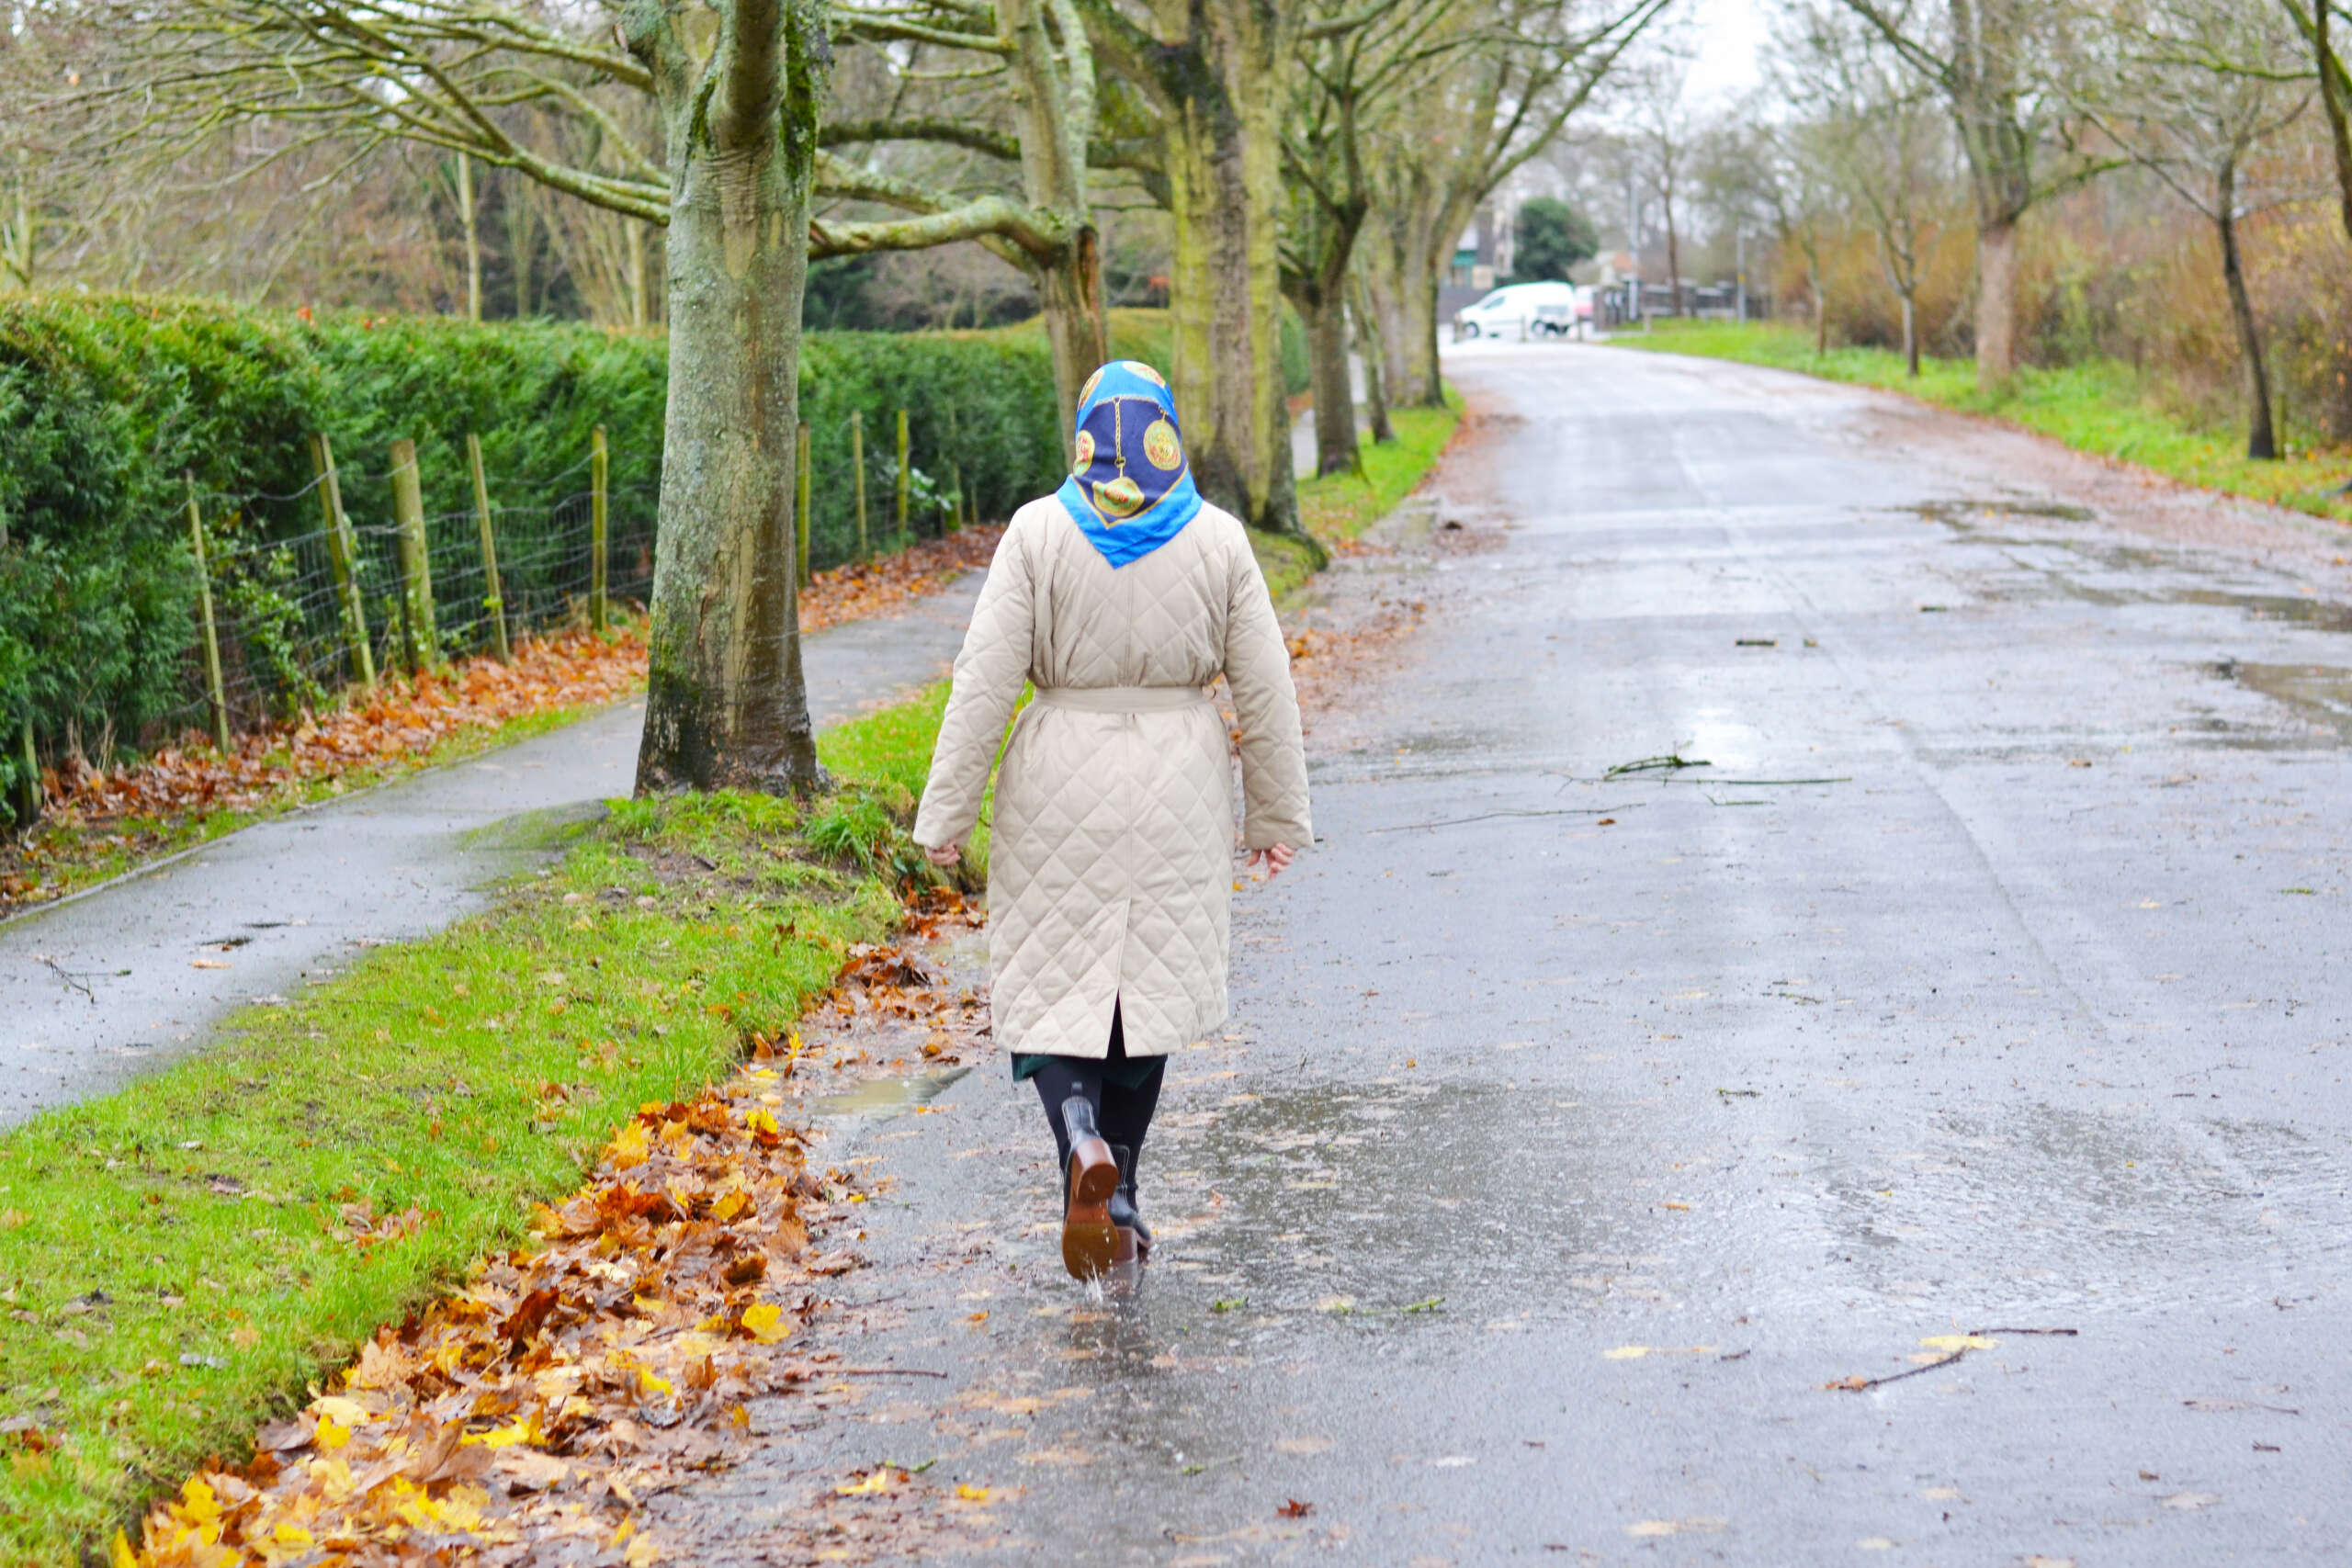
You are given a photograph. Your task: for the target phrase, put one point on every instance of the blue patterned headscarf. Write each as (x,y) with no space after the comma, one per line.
(1130,489)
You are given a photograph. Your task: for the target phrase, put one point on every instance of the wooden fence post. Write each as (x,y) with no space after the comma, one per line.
(597,465)
(342,555)
(903,479)
(858,467)
(493,602)
(424,647)
(214,686)
(800,503)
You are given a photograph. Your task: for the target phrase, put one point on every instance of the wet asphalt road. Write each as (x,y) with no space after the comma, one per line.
(1572,1132)
(96,989)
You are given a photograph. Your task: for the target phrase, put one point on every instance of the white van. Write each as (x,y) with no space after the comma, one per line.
(1510,311)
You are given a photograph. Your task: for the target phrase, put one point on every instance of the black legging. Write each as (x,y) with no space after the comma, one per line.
(1123,1115)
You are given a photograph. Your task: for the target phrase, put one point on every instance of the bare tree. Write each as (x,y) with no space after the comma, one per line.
(1871,129)
(2192,90)
(1662,138)
(1359,69)
(1532,65)
(735,90)
(1998,64)
(2314,20)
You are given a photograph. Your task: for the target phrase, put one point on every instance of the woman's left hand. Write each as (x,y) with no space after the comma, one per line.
(944,855)
(1275,859)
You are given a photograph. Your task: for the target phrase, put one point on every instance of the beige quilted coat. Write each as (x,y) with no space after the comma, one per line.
(1111,856)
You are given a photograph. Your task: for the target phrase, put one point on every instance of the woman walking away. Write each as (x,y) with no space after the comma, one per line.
(1121,596)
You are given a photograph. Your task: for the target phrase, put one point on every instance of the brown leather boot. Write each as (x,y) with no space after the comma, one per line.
(1090,1239)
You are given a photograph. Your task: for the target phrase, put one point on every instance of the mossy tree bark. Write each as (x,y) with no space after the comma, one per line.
(1213,74)
(738,87)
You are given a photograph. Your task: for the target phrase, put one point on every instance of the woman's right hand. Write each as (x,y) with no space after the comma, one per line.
(1276,859)
(944,855)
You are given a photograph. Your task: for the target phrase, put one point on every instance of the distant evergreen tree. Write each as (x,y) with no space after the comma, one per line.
(1552,237)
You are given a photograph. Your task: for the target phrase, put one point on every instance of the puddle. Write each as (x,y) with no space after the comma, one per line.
(2322,692)
(1963,514)
(2318,614)
(878,1100)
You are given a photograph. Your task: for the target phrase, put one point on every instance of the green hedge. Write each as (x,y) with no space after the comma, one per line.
(104,402)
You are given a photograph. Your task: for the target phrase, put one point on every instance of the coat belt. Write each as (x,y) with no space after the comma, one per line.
(1121,699)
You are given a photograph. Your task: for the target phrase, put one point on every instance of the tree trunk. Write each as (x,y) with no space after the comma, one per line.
(1997,302)
(1820,306)
(1376,375)
(473,237)
(1910,335)
(2261,441)
(1057,100)
(726,706)
(639,305)
(1071,291)
(1335,400)
(1673,259)
(2332,89)
(1225,191)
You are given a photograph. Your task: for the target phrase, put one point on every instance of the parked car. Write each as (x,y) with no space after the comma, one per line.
(1566,318)
(1511,310)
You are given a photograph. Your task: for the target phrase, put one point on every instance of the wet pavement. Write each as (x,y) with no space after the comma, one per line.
(1577,1133)
(97,988)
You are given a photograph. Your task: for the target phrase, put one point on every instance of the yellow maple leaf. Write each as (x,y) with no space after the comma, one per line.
(1957,1342)
(198,1504)
(765,1324)
(971,1494)
(759,1122)
(631,1146)
(877,1481)
(120,1554)
(523,1430)
(341,1411)
(331,1435)
(293,1535)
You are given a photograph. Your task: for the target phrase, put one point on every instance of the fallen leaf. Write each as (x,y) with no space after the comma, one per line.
(208,963)
(1293,1508)
(1957,1342)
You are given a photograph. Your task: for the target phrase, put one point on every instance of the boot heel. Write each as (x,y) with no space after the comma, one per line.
(1089,1241)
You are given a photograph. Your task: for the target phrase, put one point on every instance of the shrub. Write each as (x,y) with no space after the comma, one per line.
(104,404)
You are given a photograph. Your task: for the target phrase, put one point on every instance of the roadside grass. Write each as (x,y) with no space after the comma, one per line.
(1341,506)
(179,1260)
(2102,407)
(1337,508)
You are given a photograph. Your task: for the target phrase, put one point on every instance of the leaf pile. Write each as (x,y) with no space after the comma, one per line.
(525,1416)
(882,586)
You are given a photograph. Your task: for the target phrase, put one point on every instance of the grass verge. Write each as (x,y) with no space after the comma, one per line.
(1337,508)
(2102,407)
(179,1260)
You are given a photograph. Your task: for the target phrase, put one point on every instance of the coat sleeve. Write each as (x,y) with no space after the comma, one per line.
(1265,704)
(990,674)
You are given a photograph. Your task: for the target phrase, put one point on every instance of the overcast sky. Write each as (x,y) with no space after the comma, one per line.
(1729,35)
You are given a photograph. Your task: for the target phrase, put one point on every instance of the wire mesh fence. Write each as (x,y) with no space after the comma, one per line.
(310,598)
(291,633)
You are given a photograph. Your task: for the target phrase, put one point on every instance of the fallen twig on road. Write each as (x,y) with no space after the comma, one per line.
(1489,815)
(1960,1346)
(1670,763)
